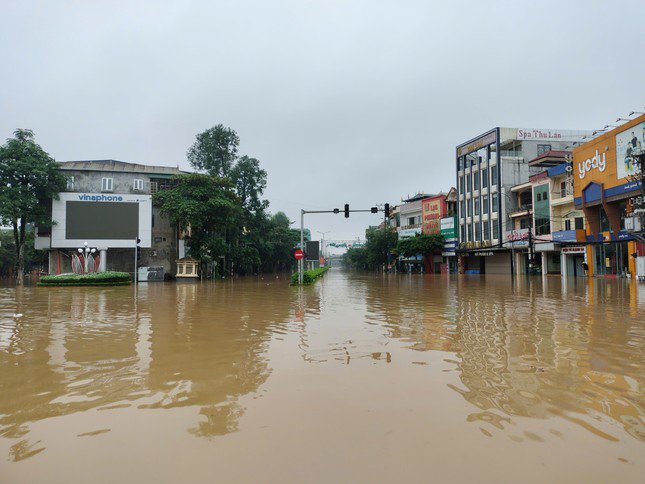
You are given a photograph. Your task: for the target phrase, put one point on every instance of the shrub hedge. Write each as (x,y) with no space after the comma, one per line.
(96,279)
(308,277)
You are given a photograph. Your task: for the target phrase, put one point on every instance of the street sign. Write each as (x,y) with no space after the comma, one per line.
(298,254)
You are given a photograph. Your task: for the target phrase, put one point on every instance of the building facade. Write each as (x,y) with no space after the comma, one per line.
(108,205)
(606,182)
(438,211)
(487,167)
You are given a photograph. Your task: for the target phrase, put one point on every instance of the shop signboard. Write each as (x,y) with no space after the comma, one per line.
(574,249)
(474,145)
(448,227)
(517,238)
(433,208)
(404,233)
(537,134)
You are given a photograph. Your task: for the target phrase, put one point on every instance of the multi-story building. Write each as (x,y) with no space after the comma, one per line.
(548,232)
(606,180)
(438,212)
(411,216)
(488,166)
(108,206)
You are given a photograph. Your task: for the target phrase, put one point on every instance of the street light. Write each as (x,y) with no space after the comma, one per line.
(322,242)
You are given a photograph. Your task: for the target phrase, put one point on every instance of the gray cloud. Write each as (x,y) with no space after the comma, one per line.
(342,101)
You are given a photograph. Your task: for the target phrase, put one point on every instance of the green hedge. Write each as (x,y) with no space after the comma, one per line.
(96,279)
(308,277)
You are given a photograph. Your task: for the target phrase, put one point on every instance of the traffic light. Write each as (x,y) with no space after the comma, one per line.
(387,210)
(138,249)
(374,209)
(347,210)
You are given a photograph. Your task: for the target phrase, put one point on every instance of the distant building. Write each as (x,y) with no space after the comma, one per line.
(487,166)
(108,205)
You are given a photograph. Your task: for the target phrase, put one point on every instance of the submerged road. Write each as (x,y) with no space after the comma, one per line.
(359,378)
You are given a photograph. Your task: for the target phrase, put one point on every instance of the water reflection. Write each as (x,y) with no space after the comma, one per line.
(529,347)
(175,346)
(207,357)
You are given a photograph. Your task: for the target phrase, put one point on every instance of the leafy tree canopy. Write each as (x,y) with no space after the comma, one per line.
(420,244)
(214,151)
(29,179)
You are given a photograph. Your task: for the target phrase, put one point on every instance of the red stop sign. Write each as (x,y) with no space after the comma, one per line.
(298,254)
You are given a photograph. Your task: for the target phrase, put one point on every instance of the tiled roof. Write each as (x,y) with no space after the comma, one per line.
(119,166)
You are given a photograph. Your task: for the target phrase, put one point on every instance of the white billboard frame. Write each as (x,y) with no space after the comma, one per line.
(59,238)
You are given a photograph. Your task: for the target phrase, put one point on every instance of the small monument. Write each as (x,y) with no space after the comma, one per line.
(187,267)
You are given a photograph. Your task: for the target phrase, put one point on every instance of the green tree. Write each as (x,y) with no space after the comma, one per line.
(250,181)
(214,151)
(375,253)
(420,244)
(206,204)
(29,179)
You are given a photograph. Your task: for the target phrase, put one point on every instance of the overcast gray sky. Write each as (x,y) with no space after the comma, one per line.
(341,100)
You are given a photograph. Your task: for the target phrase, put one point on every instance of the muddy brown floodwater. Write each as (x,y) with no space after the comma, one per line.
(360,378)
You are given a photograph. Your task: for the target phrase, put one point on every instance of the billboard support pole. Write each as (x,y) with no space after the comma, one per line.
(135,260)
(302,245)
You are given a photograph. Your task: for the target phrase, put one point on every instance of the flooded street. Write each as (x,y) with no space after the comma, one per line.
(359,378)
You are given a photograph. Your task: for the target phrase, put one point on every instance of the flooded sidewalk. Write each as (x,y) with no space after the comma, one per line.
(358,378)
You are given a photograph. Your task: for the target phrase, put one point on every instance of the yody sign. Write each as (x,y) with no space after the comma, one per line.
(597,161)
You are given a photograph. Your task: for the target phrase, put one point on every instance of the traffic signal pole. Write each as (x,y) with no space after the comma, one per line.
(347,211)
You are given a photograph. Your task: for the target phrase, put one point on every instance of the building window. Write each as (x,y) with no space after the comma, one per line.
(411,220)
(563,189)
(470,207)
(154,187)
(495,230)
(477,206)
(567,224)
(461,185)
(579,223)
(107,184)
(70,183)
(486,230)
(476,180)
(541,149)
(525,223)
(138,184)
(485,178)
(478,232)
(493,175)
(462,214)
(485,204)
(463,233)
(469,183)
(494,202)
(470,232)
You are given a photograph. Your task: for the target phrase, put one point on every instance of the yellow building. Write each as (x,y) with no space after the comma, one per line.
(604,183)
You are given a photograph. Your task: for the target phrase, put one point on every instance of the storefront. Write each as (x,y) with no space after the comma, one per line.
(604,184)
(611,259)
(486,261)
(572,260)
